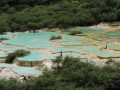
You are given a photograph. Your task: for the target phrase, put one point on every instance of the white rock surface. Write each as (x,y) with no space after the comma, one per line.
(7,74)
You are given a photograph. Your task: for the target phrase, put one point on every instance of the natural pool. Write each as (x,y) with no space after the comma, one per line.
(113,35)
(38,40)
(2,54)
(83,45)
(45,56)
(42,48)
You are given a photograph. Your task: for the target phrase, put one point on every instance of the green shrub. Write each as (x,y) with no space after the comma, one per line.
(55,37)
(21,52)
(75,32)
(18,53)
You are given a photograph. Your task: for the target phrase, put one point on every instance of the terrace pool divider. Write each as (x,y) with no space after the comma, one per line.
(2,59)
(26,63)
(27,47)
(107,47)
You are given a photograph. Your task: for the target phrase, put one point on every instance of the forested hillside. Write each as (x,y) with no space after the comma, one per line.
(21,15)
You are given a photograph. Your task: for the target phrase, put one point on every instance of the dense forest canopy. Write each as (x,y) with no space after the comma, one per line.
(21,15)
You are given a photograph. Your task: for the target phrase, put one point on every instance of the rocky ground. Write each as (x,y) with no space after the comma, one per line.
(7,74)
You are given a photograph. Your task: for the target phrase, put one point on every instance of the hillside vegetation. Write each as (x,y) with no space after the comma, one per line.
(21,15)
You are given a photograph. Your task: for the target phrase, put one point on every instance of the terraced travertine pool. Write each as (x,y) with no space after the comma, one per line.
(113,35)
(41,48)
(76,44)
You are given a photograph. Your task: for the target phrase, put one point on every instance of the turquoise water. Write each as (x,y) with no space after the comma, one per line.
(38,57)
(8,47)
(73,43)
(88,30)
(74,46)
(69,50)
(102,53)
(11,48)
(91,31)
(27,71)
(38,40)
(2,54)
(113,34)
(67,32)
(29,43)
(68,43)
(110,46)
(5,36)
(71,38)
(113,24)
(98,28)
(44,56)
(22,70)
